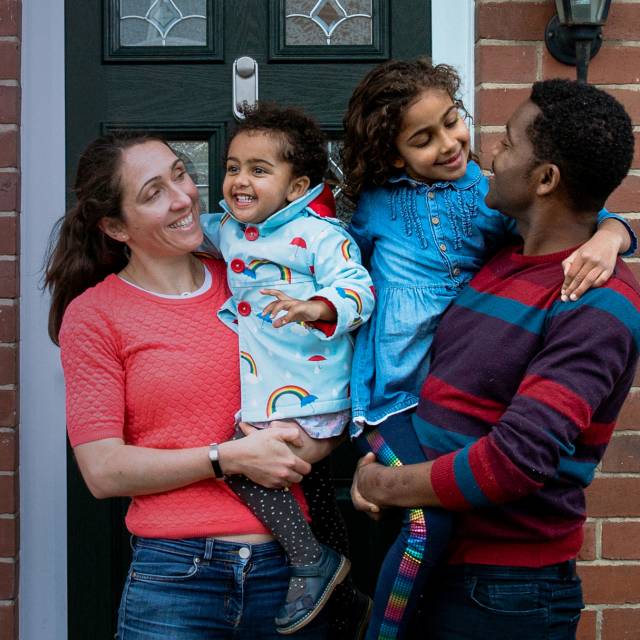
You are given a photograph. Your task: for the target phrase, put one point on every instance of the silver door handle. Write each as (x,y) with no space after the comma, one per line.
(245,85)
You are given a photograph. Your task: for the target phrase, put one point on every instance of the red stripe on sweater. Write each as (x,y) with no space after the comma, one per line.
(440,392)
(559,398)
(597,433)
(443,483)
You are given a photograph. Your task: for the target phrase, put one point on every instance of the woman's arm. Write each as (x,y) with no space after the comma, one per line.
(112,468)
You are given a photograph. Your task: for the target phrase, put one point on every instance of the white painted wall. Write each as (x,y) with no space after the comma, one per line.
(43,542)
(43,513)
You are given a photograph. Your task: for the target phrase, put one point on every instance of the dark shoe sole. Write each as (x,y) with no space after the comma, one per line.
(343,569)
(361,629)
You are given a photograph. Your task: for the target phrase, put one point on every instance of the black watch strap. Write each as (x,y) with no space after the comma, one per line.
(215,460)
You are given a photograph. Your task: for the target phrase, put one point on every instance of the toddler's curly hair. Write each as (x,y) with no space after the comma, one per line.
(374,117)
(303,144)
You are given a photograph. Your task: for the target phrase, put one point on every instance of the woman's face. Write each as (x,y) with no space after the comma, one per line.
(160,203)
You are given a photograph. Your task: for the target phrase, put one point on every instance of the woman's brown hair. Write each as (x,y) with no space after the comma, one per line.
(374,117)
(80,255)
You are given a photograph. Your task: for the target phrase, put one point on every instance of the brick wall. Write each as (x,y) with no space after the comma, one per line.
(510,54)
(10,35)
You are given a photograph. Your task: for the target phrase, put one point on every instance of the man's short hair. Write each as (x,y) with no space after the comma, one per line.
(585,132)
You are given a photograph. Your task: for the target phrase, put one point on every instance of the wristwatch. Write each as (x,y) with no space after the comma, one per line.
(214,457)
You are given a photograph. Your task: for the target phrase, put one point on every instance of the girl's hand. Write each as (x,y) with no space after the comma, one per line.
(297,310)
(359,501)
(591,265)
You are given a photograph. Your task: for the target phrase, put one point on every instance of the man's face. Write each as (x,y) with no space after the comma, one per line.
(512,186)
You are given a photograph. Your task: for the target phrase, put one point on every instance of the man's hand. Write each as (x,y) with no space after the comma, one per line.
(297,310)
(359,501)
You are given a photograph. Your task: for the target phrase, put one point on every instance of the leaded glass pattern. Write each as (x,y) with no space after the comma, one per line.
(335,177)
(328,22)
(195,154)
(163,23)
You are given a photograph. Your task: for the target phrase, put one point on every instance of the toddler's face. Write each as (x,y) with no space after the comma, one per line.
(258,182)
(433,143)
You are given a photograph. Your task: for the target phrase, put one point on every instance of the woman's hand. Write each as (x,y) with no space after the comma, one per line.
(265,456)
(297,310)
(592,264)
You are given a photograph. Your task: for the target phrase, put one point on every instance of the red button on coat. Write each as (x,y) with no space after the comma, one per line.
(237,265)
(244,308)
(251,234)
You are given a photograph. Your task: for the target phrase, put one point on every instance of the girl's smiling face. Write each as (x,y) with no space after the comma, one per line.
(433,143)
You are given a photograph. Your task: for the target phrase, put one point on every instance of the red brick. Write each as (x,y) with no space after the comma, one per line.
(630,99)
(610,584)
(495,106)
(8,625)
(622,23)
(626,197)
(508,63)
(620,624)
(7,494)
(620,540)
(8,365)
(7,580)
(622,455)
(615,497)
(8,278)
(8,409)
(588,551)
(8,323)
(9,105)
(8,234)
(485,142)
(10,22)
(513,21)
(9,61)
(8,446)
(8,537)
(8,148)
(9,191)
(587,626)
(612,65)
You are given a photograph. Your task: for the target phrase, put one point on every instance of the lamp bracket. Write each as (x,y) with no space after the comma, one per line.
(561,40)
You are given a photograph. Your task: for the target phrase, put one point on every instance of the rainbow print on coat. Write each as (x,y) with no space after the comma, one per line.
(346,250)
(350,294)
(302,394)
(248,358)
(254,265)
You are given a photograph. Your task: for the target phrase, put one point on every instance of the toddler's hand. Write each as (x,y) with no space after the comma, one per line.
(297,310)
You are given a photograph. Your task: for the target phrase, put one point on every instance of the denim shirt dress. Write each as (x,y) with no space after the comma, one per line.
(422,244)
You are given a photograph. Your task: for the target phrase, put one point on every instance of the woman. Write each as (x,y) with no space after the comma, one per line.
(152,388)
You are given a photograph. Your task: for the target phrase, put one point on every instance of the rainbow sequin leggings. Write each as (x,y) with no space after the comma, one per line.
(422,539)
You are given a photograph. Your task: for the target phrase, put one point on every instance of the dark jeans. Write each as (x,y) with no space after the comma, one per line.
(476,602)
(206,589)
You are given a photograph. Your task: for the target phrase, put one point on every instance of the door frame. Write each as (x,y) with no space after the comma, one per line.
(43,517)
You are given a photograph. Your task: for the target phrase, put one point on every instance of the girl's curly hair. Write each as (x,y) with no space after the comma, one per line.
(303,144)
(374,117)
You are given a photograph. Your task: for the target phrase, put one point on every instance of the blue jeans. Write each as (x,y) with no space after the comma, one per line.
(205,589)
(476,602)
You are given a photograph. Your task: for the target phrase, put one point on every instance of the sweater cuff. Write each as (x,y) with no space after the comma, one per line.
(328,327)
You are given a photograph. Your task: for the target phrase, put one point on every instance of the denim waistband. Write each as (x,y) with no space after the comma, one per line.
(210,548)
(562,570)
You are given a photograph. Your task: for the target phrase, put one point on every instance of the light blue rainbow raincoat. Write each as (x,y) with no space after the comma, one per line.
(295,370)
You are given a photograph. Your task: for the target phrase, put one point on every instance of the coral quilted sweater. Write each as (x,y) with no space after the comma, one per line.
(159,373)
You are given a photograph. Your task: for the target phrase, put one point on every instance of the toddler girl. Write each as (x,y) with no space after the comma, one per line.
(295,351)
(424,230)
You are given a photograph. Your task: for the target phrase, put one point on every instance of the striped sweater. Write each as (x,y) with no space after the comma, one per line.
(520,403)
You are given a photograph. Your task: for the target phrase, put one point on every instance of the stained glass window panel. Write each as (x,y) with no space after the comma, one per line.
(195,154)
(163,23)
(328,22)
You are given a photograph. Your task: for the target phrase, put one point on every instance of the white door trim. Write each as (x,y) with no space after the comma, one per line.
(43,467)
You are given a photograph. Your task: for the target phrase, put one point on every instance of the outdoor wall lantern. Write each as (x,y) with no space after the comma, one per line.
(574,36)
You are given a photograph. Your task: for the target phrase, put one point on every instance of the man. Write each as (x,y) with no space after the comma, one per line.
(524,388)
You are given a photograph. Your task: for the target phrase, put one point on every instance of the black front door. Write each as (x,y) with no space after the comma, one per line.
(168,66)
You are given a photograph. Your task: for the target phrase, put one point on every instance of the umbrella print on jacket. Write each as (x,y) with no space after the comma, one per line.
(298,243)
